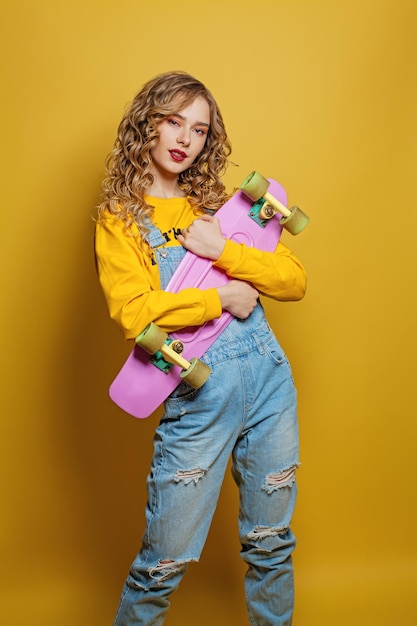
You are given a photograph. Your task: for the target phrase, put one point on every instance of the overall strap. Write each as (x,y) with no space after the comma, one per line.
(154,238)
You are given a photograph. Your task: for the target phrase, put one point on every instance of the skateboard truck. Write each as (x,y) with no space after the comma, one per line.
(165,352)
(265,206)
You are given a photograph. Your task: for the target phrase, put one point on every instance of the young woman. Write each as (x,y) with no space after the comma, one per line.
(159,199)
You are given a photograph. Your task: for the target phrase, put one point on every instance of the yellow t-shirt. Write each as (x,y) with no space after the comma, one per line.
(130,279)
(171,215)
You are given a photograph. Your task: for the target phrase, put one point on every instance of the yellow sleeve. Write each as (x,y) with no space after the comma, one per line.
(278,275)
(132,288)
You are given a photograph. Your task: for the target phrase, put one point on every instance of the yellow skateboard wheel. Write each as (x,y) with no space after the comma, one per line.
(295,222)
(151,339)
(197,374)
(255,186)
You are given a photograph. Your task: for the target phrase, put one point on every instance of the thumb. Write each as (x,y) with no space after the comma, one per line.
(207,218)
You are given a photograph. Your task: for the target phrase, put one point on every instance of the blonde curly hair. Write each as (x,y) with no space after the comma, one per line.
(128,165)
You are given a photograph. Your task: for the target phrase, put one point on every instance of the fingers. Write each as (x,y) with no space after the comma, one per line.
(202,218)
(187,231)
(203,237)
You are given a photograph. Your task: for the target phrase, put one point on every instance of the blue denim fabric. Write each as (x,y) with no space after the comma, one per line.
(247,411)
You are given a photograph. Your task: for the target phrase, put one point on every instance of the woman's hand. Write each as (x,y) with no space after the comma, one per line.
(204,237)
(238,297)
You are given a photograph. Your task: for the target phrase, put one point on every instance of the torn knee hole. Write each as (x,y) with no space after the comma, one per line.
(188,476)
(167,567)
(164,568)
(277,480)
(262,532)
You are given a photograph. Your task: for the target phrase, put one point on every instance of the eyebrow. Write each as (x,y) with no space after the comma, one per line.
(196,124)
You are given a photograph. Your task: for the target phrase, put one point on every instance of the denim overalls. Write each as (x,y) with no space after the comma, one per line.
(246,410)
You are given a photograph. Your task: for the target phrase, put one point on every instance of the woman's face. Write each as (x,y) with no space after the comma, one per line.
(182,136)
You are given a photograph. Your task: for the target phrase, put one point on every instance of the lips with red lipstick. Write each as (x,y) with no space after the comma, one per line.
(178,155)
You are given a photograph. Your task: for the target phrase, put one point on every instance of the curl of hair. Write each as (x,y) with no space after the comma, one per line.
(128,166)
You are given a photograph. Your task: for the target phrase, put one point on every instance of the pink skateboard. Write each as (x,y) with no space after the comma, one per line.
(254,216)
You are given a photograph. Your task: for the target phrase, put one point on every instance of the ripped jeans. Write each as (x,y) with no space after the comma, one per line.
(246,411)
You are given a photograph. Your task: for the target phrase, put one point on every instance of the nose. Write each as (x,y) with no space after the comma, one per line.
(184,137)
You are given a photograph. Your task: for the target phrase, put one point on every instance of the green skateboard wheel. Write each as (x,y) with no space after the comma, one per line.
(197,374)
(151,339)
(295,222)
(255,186)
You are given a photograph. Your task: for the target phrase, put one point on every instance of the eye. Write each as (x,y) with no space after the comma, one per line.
(201,131)
(172,121)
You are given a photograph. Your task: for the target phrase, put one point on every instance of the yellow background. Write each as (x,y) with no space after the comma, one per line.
(318,94)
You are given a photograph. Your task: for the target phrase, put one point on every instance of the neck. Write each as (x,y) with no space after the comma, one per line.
(165,187)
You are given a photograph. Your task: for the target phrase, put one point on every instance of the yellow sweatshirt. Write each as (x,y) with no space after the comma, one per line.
(130,280)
